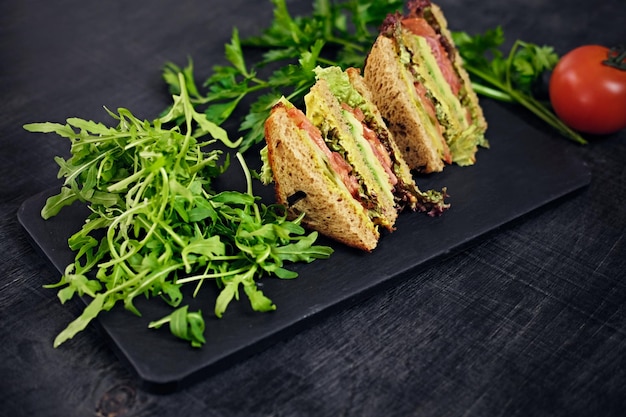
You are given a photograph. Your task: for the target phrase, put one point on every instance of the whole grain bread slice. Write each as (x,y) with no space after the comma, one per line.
(384,75)
(304,184)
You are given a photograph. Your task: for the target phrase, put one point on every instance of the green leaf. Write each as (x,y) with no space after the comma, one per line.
(234,53)
(79,324)
(309,59)
(258,300)
(64,131)
(220,112)
(171,293)
(206,247)
(90,126)
(254,121)
(225,296)
(479,50)
(303,250)
(203,209)
(185,325)
(283,273)
(210,127)
(55,203)
(234,198)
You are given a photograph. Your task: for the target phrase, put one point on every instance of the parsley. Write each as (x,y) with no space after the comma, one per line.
(338,33)
(156,222)
(510,77)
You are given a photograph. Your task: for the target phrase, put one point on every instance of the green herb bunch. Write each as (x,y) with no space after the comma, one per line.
(156,222)
(511,77)
(341,33)
(338,33)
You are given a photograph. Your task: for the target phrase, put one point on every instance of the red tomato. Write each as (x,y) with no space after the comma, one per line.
(588,95)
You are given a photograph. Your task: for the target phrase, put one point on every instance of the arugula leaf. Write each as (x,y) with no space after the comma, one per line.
(80,323)
(184,324)
(55,203)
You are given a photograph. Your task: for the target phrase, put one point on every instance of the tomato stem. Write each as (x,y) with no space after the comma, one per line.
(616,58)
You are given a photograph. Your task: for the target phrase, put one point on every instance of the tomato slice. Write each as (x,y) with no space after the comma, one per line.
(375,144)
(446,155)
(336,161)
(420,27)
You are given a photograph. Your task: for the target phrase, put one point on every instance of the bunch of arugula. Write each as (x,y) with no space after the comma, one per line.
(512,77)
(156,223)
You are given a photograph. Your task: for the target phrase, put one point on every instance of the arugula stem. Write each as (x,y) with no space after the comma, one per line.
(138,191)
(121,185)
(202,277)
(111,234)
(146,281)
(170,232)
(71,178)
(201,164)
(249,190)
(188,110)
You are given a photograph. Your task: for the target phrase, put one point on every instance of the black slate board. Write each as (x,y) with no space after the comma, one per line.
(524,170)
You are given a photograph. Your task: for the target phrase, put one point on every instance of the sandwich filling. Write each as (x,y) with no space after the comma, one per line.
(331,141)
(434,83)
(372,138)
(327,142)
(338,167)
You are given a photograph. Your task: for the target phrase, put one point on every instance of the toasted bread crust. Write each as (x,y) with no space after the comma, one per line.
(383,74)
(298,166)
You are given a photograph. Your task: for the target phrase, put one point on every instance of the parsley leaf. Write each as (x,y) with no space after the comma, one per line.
(510,77)
(334,33)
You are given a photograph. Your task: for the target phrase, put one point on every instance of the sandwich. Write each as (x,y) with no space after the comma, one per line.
(418,82)
(337,166)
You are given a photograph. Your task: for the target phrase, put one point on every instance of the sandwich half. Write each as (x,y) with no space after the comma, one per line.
(369,128)
(312,181)
(338,165)
(423,92)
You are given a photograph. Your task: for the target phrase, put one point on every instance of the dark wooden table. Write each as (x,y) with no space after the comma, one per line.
(529,320)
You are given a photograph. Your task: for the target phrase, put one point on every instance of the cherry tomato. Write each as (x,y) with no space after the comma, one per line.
(587,94)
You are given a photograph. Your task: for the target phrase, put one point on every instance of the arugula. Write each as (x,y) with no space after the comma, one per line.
(184,325)
(510,77)
(156,222)
(335,33)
